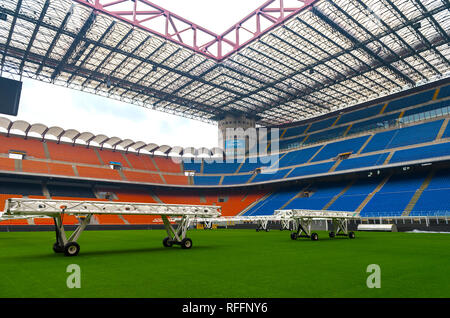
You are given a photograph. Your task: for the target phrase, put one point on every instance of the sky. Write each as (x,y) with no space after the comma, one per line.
(54,105)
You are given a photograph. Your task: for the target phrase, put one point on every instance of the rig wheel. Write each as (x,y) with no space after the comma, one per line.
(167,242)
(57,248)
(186,243)
(351,235)
(314,237)
(332,234)
(71,249)
(294,236)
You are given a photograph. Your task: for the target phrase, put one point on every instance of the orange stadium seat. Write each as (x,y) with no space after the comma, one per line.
(3,198)
(15,222)
(167,165)
(173,179)
(141,162)
(109,219)
(60,169)
(77,154)
(134,196)
(109,155)
(7,164)
(98,173)
(32,147)
(34,166)
(142,176)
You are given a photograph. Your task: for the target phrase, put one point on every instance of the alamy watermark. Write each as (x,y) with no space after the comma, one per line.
(258,146)
(374,279)
(74,279)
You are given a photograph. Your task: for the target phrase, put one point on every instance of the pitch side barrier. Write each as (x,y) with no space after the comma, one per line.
(56,209)
(302,220)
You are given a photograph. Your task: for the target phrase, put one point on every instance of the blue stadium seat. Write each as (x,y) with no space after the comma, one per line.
(323,193)
(367,161)
(355,195)
(206,180)
(298,157)
(311,169)
(444,92)
(425,152)
(236,179)
(274,202)
(360,114)
(295,131)
(322,124)
(409,101)
(394,196)
(404,136)
(279,174)
(333,149)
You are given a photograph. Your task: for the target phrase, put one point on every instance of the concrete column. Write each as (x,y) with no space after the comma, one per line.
(235,133)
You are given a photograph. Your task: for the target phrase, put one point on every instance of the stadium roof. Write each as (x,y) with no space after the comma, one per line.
(288,60)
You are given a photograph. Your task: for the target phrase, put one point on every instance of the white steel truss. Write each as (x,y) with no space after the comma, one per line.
(302,220)
(26,208)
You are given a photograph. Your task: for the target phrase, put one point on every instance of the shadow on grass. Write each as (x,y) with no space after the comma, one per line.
(147,250)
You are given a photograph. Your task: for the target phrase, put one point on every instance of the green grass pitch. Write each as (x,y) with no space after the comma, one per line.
(226,263)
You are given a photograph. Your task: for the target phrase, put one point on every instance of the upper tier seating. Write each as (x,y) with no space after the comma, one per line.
(33,148)
(76,154)
(404,136)
(360,162)
(140,162)
(331,150)
(108,156)
(419,106)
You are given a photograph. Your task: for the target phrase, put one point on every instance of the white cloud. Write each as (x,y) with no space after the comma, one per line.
(54,105)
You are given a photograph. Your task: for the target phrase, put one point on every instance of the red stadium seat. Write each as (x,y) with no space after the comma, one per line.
(32,147)
(98,173)
(69,153)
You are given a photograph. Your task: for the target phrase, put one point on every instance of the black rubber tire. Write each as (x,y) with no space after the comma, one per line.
(267,230)
(332,234)
(314,237)
(167,242)
(351,235)
(294,236)
(257,230)
(71,249)
(57,248)
(186,243)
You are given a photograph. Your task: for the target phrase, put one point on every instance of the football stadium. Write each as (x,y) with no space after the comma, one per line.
(330,177)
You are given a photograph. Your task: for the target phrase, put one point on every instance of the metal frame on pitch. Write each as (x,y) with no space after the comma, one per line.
(56,209)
